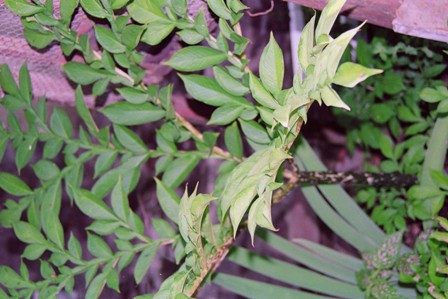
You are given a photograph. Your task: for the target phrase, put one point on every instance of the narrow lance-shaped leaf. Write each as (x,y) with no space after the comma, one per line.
(195,58)
(92,206)
(306,44)
(82,73)
(168,200)
(83,111)
(328,16)
(120,203)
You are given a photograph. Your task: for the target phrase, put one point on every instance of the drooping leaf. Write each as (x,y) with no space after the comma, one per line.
(168,200)
(7,81)
(179,170)
(37,38)
(119,200)
(232,139)
(144,261)
(331,98)
(260,94)
(196,58)
(83,110)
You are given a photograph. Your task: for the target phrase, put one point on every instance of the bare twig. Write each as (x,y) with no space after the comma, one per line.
(262,13)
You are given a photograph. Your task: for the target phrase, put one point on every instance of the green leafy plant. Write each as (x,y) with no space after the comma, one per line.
(199,228)
(392,118)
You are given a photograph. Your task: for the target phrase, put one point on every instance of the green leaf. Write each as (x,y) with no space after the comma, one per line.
(34,251)
(13,185)
(23,8)
(382,112)
(92,206)
(387,146)
(119,200)
(25,151)
(74,247)
(145,12)
(104,227)
(260,94)
(163,228)
(67,8)
(328,16)
(94,8)
(168,200)
(130,140)
(83,110)
(179,170)
(156,31)
(25,84)
(208,91)
(195,58)
(60,123)
(272,67)
(434,70)
(54,230)
(232,139)
(96,286)
(131,35)
(349,74)
(7,81)
(124,113)
(51,202)
(133,95)
(104,162)
(190,36)
(220,9)
(225,115)
(82,73)
(392,83)
(294,275)
(27,233)
(144,261)
(108,40)
(228,82)
(331,98)
(10,279)
(441,108)
(255,132)
(97,246)
(260,290)
(432,95)
(38,39)
(306,44)
(46,170)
